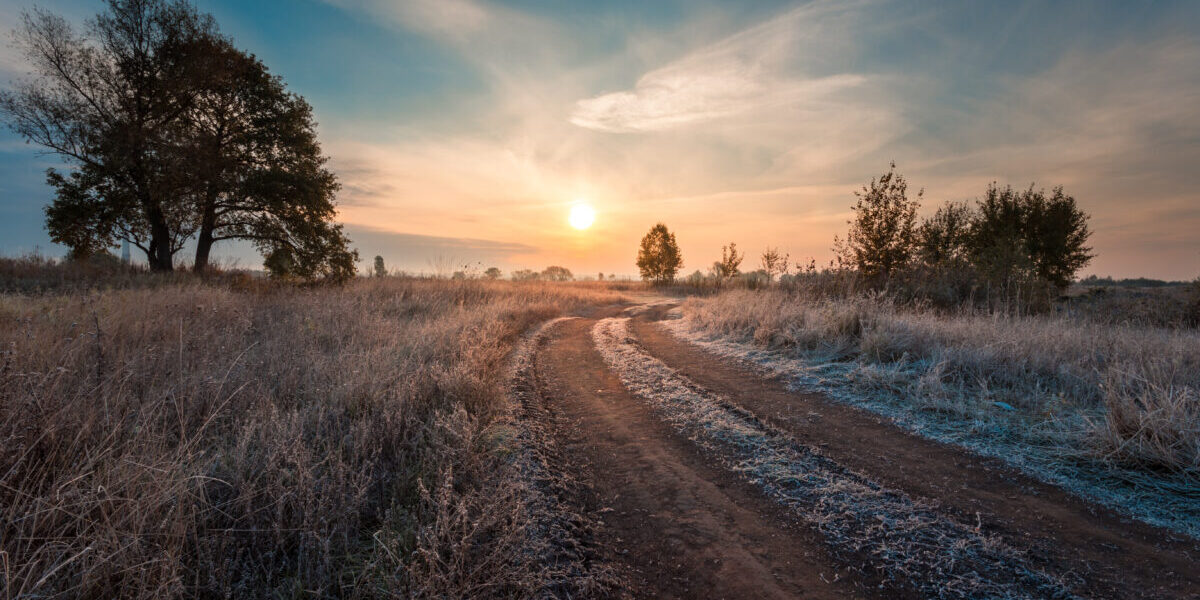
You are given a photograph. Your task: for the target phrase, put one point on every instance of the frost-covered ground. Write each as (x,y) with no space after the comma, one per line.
(902,391)
(552,536)
(909,541)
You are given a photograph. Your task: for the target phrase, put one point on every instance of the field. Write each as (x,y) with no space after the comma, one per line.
(404,437)
(194,439)
(1108,410)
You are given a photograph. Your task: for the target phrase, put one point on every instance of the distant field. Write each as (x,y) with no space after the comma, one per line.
(191,439)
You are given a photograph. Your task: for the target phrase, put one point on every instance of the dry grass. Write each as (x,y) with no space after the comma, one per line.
(1072,398)
(191,439)
(1174,306)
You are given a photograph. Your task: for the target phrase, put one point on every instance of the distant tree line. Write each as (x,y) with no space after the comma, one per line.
(1012,247)
(172,135)
(551,273)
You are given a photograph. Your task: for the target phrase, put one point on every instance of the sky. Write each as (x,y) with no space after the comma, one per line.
(464,131)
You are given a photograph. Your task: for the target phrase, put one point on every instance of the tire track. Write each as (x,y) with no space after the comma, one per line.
(1108,554)
(674,522)
(904,541)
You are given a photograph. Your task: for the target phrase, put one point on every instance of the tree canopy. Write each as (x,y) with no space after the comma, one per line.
(1020,235)
(170,133)
(658,257)
(557,273)
(731,261)
(883,230)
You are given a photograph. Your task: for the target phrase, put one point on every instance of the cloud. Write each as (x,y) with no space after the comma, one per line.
(489,35)
(681,96)
(766,69)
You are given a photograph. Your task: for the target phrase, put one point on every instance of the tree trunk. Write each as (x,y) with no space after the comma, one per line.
(160,242)
(205,240)
(203,245)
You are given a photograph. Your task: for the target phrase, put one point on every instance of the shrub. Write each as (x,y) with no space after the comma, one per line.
(525,275)
(731,260)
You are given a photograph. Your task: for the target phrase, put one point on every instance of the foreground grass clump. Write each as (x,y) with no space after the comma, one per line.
(190,439)
(1072,399)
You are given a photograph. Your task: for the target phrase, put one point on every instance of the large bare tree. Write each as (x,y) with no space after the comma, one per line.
(108,100)
(259,174)
(170,131)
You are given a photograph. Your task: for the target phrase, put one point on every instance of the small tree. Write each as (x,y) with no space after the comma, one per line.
(774,263)
(942,238)
(883,231)
(492,273)
(1021,236)
(730,261)
(557,273)
(380,269)
(658,257)
(1058,235)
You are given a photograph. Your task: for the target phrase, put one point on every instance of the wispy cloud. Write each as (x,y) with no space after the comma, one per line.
(683,95)
(762,70)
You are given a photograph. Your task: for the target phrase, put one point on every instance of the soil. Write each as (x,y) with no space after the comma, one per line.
(678,525)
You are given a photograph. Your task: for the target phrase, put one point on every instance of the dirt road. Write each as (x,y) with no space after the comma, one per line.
(713,482)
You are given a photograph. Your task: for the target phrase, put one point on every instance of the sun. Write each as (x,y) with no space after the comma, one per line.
(582,216)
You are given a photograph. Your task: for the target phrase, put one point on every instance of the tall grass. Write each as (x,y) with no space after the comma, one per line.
(1060,391)
(191,439)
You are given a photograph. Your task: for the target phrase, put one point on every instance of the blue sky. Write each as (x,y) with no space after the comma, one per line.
(464,130)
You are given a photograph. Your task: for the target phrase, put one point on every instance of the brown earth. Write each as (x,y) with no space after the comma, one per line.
(680,526)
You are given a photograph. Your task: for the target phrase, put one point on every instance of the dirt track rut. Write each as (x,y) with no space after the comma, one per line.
(680,523)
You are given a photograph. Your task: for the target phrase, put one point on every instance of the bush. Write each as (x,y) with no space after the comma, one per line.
(1192,312)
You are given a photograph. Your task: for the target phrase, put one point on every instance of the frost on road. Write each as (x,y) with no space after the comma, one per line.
(905,541)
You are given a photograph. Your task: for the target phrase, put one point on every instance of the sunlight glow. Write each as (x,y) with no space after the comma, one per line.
(582,216)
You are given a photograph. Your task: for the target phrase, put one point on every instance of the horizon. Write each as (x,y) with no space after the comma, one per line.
(468,130)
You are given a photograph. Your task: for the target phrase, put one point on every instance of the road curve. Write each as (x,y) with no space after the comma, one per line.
(683,516)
